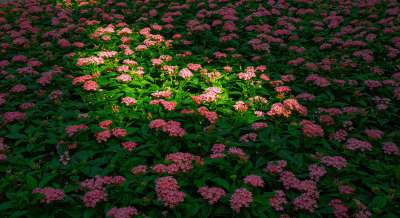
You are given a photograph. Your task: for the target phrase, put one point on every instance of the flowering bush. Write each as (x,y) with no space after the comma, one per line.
(199,108)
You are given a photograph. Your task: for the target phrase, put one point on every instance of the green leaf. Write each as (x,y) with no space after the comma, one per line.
(222,182)
(89,213)
(47,179)
(6,205)
(379,201)
(31,182)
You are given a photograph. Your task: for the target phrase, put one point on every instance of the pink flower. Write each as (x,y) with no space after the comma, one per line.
(159,168)
(119,132)
(18,88)
(51,194)
(311,130)
(167,191)
(90,85)
(168,105)
(254,180)
(275,167)
(26,106)
(354,144)
(185,73)
(237,152)
(105,124)
(306,201)
(259,126)
(103,136)
(374,134)
(128,101)
(248,137)
(240,106)
(123,78)
(139,170)
(337,162)
(72,130)
(345,189)
(91,198)
(241,197)
(129,145)
(125,212)
(390,148)
(340,208)
(211,194)
(316,172)
(156,124)
(277,201)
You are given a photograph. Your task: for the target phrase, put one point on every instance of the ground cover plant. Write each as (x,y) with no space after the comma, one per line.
(200,108)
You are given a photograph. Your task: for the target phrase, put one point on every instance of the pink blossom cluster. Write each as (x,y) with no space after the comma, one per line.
(340,208)
(107,54)
(241,198)
(318,80)
(168,105)
(72,130)
(311,130)
(130,145)
(337,162)
(11,116)
(185,73)
(180,162)
(139,170)
(250,73)
(167,191)
(390,148)
(212,194)
(103,136)
(90,60)
(50,194)
(345,189)
(54,95)
(237,152)
(119,132)
(209,95)
(363,212)
(254,180)
(354,144)
(210,116)
(258,126)
(81,79)
(258,99)
(123,78)
(217,150)
(96,188)
(162,94)
(240,106)
(374,134)
(128,101)
(172,127)
(306,201)
(90,85)
(316,172)
(286,108)
(26,106)
(339,135)
(18,88)
(275,167)
(277,201)
(248,137)
(125,212)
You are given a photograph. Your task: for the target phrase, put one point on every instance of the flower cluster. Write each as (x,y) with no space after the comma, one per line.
(50,194)
(212,194)
(167,191)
